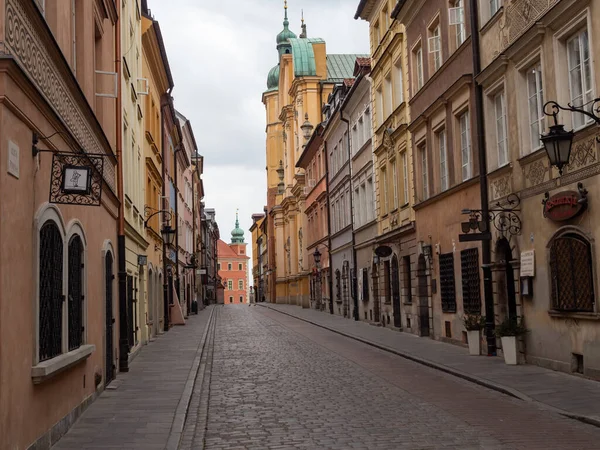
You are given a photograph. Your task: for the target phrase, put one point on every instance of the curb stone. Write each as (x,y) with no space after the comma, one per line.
(184,402)
(590,420)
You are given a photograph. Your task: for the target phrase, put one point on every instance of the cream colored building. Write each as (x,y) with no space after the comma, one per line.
(392,163)
(156,70)
(134,88)
(531,56)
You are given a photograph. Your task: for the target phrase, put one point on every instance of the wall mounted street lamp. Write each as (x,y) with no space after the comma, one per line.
(317,256)
(307,128)
(558,141)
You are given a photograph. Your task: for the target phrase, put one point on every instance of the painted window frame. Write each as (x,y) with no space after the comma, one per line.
(48,213)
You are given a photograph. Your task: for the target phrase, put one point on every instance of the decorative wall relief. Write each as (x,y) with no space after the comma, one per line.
(536,172)
(27,47)
(501,187)
(583,153)
(300,247)
(520,14)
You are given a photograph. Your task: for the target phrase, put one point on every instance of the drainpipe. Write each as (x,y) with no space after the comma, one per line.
(352,277)
(122,270)
(164,207)
(330,281)
(486,253)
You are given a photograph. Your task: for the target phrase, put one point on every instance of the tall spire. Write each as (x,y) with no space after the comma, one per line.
(286,22)
(283,44)
(237,235)
(303,27)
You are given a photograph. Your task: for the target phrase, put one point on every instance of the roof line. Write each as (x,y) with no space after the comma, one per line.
(360,8)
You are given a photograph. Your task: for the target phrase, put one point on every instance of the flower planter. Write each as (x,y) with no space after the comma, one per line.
(509,348)
(474,342)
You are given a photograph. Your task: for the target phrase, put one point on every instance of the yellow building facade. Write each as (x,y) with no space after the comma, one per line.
(393,160)
(133,90)
(156,72)
(297,87)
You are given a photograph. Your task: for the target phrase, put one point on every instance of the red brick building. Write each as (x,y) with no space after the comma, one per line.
(233,267)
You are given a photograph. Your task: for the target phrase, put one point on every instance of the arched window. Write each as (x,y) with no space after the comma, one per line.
(50,291)
(571,274)
(75,292)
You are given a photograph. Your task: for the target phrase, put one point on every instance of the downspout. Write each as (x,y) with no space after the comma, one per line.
(122,270)
(486,253)
(352,275)
(164,208)
(330,281)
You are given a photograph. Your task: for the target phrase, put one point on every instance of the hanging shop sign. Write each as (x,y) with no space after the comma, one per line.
(565,205)
(383,251)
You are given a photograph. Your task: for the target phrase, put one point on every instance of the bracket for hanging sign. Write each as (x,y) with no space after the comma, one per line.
(76,178)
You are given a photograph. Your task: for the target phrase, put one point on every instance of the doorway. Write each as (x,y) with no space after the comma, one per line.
(507,297)
(396,293)
(109,373)
(423,296)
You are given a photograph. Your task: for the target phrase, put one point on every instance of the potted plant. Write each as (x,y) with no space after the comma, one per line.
(508,331)
(474,323)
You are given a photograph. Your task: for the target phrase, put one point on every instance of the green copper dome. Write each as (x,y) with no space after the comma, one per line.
(273,79)
(283,46)
(237,235)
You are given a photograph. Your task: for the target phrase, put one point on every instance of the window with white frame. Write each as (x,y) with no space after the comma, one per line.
(418,68)
(229,266)
(388,95)
(501,138)
(384,191)
(457,20)
(230,285)
(379,99)
(465,145)
(368,125)
(580,74)
(395,182)
(355,143)
(435,47)
(441,139)
(240,285)
(424,174)
(370,199)
(405,177)
(399,80)
(240,266)
(535,95)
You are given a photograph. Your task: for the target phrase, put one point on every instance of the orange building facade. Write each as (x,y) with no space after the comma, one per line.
(233,267)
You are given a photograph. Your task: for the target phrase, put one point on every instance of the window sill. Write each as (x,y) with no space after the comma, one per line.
(407,303)
(492,20)
(47,369)
(574,315)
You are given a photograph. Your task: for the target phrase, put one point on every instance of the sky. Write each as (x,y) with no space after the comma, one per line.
(220,53)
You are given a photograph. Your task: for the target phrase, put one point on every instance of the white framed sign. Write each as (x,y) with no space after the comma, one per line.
(528,263)
(13,159)
(77,180)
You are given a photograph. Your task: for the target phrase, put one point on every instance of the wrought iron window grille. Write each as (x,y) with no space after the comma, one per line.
(447,283)
(51,297)
(469,261)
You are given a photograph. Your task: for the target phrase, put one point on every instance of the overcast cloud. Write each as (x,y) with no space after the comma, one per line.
(220,53)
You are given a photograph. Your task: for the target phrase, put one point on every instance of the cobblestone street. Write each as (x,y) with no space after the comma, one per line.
(265,380)
(281,383)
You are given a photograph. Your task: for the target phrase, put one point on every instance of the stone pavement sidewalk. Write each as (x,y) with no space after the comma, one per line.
(139,409)
(566,394)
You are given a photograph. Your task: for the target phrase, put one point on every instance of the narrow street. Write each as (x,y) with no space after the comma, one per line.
(266,380)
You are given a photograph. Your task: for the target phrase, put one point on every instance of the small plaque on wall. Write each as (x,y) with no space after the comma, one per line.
(13,159)
(528,263)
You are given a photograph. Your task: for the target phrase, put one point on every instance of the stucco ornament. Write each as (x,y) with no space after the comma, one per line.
(289,254)
(583,154)
(387,140)
(300,257)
